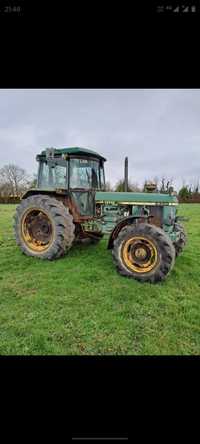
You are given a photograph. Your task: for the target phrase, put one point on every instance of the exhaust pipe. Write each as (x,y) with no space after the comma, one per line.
(126,174)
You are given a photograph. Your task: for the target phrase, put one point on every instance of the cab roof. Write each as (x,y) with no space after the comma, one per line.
(75,150)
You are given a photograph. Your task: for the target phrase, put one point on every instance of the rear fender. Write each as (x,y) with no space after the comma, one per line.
(50,192)
(64,196)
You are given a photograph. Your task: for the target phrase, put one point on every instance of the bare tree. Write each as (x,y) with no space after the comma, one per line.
(162,185)
(166,184)
(195,185)
(14,179)
(108,186)
(156,181)
(5,189)
(132,186)
(33,181)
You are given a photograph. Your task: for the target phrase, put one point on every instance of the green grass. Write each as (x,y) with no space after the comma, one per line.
(80,305)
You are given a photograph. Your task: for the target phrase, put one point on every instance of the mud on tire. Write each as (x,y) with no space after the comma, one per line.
(60,223)
(162,245)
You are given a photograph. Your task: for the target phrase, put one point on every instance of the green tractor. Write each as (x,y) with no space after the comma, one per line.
(70,204)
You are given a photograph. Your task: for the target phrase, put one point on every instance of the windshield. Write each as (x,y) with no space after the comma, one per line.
(53,175)
(84,173)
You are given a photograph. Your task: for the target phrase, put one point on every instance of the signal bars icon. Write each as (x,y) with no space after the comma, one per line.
(177,8)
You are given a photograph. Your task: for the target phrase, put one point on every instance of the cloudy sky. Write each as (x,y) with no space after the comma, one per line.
(158,129)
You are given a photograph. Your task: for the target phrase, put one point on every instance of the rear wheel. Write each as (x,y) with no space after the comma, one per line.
(143,252)
(43,227)
(180,244)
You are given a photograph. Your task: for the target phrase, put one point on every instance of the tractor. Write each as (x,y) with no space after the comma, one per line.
(69,204)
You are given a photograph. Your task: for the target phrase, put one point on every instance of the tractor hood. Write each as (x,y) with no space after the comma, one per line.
(135,198)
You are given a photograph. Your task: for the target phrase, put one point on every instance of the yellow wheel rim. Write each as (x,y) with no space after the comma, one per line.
(37,230)
(139,254)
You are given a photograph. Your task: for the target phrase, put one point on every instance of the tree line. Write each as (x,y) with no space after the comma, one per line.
(187,193)
(162,185)
(14,181)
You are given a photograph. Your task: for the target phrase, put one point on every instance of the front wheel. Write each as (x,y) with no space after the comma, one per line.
(180,244)
(143,252)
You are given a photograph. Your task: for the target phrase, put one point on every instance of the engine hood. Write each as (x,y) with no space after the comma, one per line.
(135,198)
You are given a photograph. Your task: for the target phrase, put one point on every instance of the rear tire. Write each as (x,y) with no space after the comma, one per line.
(143,252)
(43,227)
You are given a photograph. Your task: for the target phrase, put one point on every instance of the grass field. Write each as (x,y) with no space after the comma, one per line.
(80,305)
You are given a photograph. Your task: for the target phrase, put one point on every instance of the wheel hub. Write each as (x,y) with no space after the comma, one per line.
(37,229)
(139,254)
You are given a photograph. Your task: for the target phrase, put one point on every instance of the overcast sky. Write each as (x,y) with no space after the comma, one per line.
(158,129)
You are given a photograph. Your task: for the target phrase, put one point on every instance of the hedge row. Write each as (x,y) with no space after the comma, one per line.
(9,200)
(192,199)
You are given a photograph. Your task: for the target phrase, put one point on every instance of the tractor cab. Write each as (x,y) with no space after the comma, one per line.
(76,172)
(71,169)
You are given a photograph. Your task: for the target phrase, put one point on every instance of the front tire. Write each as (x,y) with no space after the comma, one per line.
(180,244)
(143,252)
(43,227)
